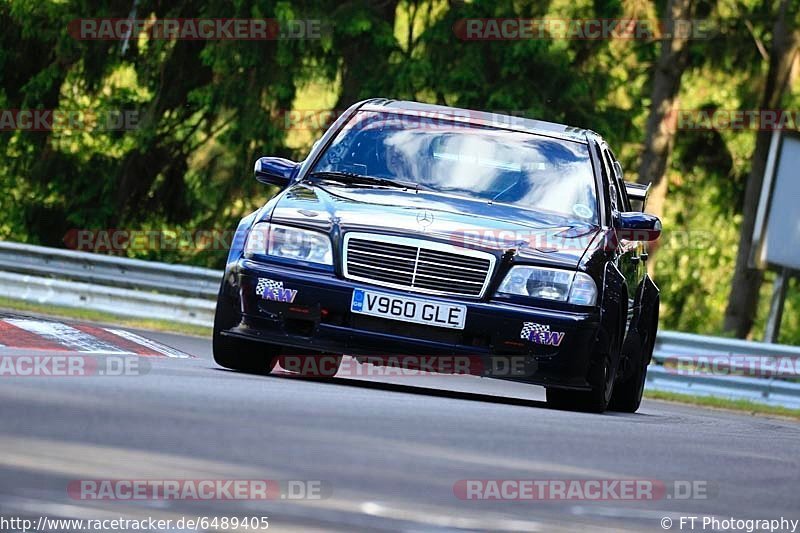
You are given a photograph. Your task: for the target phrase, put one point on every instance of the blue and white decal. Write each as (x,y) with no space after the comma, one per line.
(541,334)
(273,290)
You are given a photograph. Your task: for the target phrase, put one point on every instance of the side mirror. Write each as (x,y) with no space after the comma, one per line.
(636,226)
(275,171)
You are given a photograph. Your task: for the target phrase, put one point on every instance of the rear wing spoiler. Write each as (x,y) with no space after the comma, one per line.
(637,194)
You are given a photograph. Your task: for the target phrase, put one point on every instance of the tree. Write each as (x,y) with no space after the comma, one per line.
(743,299)
(363,43)
(206,109)
(666,85)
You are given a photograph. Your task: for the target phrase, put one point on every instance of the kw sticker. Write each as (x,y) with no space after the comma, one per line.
(541,334)
(273,290)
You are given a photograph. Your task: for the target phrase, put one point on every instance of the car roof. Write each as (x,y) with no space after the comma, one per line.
(485,118)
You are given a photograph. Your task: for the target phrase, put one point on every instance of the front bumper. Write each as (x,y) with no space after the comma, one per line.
(317,317)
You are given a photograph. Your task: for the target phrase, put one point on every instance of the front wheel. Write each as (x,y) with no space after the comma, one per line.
(244,356)
(239,354)
(592,401)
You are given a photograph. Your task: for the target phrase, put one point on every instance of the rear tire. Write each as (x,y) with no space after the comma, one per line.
(628,394)
(234,353)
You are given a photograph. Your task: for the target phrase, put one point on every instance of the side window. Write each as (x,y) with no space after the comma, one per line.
(616,196)
(623,193)
(609,193)
(612,189)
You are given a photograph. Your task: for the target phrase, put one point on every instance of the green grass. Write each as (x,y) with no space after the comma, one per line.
(723,403)
(90,315)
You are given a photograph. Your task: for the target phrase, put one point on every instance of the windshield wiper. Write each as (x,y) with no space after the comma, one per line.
(353,177)
(501,193)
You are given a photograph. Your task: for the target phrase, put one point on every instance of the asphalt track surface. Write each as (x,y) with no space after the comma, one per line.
(389,451)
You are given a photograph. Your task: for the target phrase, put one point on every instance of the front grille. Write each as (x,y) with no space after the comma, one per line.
(416,264)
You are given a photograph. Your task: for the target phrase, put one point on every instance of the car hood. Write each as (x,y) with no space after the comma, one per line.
(497,228)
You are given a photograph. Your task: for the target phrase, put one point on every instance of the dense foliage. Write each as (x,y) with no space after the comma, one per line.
(207,108)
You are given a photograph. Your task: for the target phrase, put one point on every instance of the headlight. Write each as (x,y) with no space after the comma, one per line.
(550,284)
(289,243)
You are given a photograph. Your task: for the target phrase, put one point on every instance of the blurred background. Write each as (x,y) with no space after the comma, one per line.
(205,109)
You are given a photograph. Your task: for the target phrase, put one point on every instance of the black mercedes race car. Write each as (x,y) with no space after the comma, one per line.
(422,230)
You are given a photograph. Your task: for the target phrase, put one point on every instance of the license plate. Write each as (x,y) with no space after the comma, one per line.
(416,310)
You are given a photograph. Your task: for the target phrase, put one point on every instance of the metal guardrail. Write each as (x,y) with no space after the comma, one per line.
(109,270)
(759,390)
(118,285)
(184,294)
(716,366)
(675,344)
(125,302)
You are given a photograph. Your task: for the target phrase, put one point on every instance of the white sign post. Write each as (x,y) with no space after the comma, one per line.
(776,234)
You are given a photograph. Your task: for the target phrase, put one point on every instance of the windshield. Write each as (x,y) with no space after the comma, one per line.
(477,162)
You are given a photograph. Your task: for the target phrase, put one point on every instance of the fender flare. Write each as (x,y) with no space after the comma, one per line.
(647,298)
(613,307)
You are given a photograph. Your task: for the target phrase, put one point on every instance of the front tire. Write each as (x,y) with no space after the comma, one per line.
(234,353)
(601,380)
(592,401)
